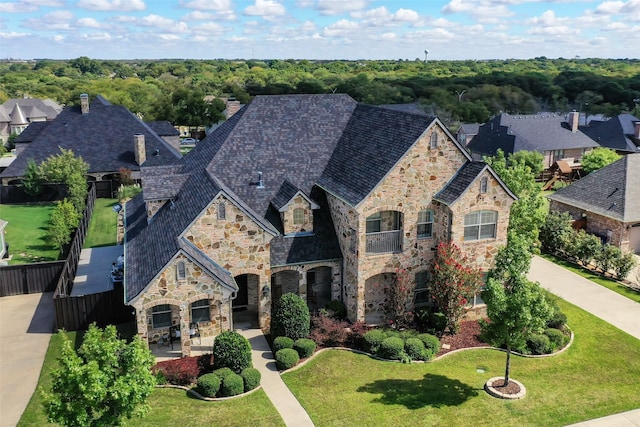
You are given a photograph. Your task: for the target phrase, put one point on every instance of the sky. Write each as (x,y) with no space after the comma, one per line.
(319,29)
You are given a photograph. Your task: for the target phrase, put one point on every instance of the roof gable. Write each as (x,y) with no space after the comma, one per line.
(616,133)
(464,179)
(287,193)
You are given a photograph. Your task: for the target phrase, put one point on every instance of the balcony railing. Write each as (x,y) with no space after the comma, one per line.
(384,241)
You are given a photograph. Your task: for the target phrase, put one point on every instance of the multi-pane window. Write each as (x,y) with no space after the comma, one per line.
(181,270)
(161,316)
(480,225)
(421,291)
(200,311)
(298,216)
(484,184)
(374,223)
(222,211)
(434,141)
(425,224)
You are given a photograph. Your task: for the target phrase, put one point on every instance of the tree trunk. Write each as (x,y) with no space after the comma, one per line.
(508,367)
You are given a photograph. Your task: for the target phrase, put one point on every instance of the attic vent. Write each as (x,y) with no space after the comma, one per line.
(260,181)
(156,153)
(613,192)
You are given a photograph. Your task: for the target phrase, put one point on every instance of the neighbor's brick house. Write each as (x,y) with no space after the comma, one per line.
(312,194)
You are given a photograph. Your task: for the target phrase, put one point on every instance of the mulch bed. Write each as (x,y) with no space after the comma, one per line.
(468,337)
(511,388)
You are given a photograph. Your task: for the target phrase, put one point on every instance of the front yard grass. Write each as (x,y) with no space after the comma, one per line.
(26,232)
(613,285)
(102,228)
(169,407)
(597,376)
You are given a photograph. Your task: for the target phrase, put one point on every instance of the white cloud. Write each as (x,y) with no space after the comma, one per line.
(219,5)
(13,35)
(339,7)
(96,37)
(123,18)
(548,18)
(111,5)
(58,38)
(57,21)
(91,23)
(308,26)
(610,7)
(486,11)
(265,8)
(341,28)
(406,15)
(15,7)
(157,21)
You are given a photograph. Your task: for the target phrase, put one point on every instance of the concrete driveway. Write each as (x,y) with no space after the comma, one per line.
(26,325)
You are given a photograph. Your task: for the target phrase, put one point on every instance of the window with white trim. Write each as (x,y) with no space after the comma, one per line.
(222,211)
(298,216)
(434,140)
(425,224)
(200,311)
(421,291)
(181,271)
(161,316)
(480,225)
(484,184)
(374,223)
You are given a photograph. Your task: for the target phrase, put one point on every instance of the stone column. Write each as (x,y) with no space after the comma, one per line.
(185,338)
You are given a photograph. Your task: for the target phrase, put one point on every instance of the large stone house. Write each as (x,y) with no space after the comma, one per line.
(607,202)
(311,194)
(18,113)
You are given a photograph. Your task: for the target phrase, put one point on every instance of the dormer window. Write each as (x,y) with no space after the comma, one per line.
(298,216)
(296,210)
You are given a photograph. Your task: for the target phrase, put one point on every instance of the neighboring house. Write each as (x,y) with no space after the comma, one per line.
(609,200)
(108,137)
(620,133)
(555,136)
(311,194)
(467,132)
(166,131)
(17,114)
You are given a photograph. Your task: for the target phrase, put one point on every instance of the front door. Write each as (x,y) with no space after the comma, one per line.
(242,299)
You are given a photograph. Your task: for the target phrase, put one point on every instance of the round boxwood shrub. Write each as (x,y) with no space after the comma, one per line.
(231,350)
(232,385)
(287,358)
(392,348)
(431,342)
(282,342)
(373,339)
(415,349)
(209,385)
(223,373)
(539,344)
(336,309)
(305,347)
(556,337)
(251,377)
(438,322)
(290,317)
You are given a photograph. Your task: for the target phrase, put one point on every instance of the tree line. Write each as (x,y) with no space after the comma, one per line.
(456,91)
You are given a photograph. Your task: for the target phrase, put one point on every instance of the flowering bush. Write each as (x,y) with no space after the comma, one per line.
(454,283)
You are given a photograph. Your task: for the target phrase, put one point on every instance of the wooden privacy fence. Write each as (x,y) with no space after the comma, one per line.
(30,278)
(105,308)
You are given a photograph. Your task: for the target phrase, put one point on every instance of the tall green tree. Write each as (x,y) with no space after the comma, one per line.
(64,218)
(67,169)
(32,181)
(598,158)
(104,382)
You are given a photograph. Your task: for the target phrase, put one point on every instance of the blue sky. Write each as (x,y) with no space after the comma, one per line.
(319,29)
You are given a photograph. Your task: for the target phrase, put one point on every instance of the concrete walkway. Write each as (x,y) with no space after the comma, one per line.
(609,306)
(26,325)
(285,402)
(625,419)
(94,270)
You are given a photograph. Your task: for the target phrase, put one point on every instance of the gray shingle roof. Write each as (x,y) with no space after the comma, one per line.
(615,133)
(613,191)
(38,107)
(163,128)
(533,132)
(162,182)
(463,179)
(103,138)
(31,132)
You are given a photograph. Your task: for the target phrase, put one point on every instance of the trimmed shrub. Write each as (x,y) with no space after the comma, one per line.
(305,347)
(373,339)
(539,344)
(392,348)
(251,377)
(327,331)
(223,373)
(623,264)
(209,385)
(406,334)
(336,309)
(586,246)
(415,349)
(161,379)
(290,317)
(607,256)
(282,342)
(388,333)
(438,322)
(205,363)
(232,385)
(431,342)
(556,337)
(558,319)
(355,339)
(231,350)
(287,358)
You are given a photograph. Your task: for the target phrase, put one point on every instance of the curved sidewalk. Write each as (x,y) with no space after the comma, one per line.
(285,402)
(609,306)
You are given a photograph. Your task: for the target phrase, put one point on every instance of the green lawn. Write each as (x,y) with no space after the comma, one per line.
(596,278)
(597,376)
(26,232)
(102,228)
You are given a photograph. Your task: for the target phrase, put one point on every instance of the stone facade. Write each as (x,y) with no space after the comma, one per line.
(287,216)
(153,206)
(179,293)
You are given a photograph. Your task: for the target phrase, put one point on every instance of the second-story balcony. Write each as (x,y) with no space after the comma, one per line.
(384,242)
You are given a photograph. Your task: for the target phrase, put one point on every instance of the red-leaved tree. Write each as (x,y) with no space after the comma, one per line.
(453,283)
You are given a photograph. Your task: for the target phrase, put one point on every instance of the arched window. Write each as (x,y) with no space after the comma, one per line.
(200,311)
(480,225)
(425,224)
(298,216)
(181,271)
(434,140)
(222,212)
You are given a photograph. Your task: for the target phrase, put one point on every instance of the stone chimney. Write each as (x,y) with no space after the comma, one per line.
(233,105)
(139,148)
(636,129)
(574,120)
(84,103)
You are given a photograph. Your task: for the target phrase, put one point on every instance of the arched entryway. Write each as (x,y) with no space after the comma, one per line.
(319,287)
(376,291)
(245,305)
(283,282)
